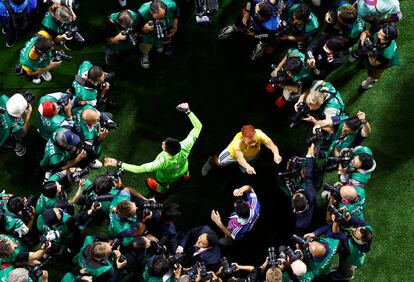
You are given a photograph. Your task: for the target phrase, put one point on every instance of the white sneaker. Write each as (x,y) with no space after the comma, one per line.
(46,76)
(37,80)
(20,150)
(123,3)
(227,31)
(206,167)
(257,51)
(3,30)
(368,83)
(325,195)
(145,63)
(95,164)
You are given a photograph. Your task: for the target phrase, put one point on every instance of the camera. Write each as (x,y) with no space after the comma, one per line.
(302,242)
(345,158)
(340,216)
(28,96)
(61,56)
(203,271)
(130,34)
(115,175)
(287,254)
(72,31)
(92,199)
(29,205)
(283,28)
(89,149)
(50,236)
(334,190)
(281,77)
(160,27)
(150,206)
(303,111)
(228,268)
(64,100)
(371,46)
(110,125)
(68,3)
(318,136)
(176,260)
(78,175)
(204,9)
(114,246)
(37,271)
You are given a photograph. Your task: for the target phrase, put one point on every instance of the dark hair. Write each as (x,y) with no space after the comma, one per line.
(302,12)
(335,44)
(242,209)
(139,244)
(170,212)
(353,123)
(366,234)
(124,208)
(367,161)
(293,65)
(15,204)
(347,15)
(102,184)
(49,189)
(212,238)
(161,266)
(157,5)
(125,19)
(391,32)
(265,11)
(299,202)
(43,44)
(172,146)
(94,73)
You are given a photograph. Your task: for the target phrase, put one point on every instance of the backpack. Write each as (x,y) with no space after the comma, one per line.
(19,22)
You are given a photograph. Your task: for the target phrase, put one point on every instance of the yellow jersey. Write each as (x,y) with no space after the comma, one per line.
(248,151)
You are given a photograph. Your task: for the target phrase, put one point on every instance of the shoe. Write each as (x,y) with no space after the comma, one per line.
(325,195)
(95,164)
(352,58)
(186,176)
(206,167)
(145,63)
(257,52)
(3,30)
(37,80)
(336,275)
(46,76)
(152,184)
(110,59)
(280,102)
(160,50)
(269,88)
(123,3)
(227,31)
(8,44)
(368,83)
(20,150)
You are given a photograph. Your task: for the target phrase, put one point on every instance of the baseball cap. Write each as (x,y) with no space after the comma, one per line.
(47,109)
(16,105)
(67,137)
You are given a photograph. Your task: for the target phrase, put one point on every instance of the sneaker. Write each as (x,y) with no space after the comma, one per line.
(37,80)
(95,164)
(325,195)
(123,3)
(206,167)
(46,76)
(227,31)
(257,51)
(186,176)
(352,58)
(368,83)
(338,276)
(145,63)
(152,184)
(8,44)
(20,150)
(3,30)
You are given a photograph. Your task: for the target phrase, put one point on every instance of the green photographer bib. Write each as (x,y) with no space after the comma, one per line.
(43,60)
(82,92)
(8,125)
(122,45)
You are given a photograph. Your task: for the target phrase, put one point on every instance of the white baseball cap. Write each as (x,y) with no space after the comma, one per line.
(16,105)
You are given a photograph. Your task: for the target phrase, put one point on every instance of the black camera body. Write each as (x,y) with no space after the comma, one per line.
(345,158)
(340,216)
(115,175)
(302,242)
(64,100)
(37,272)
(72,31)
(228,268)
(109,125)
(286,254)
(61,56)
(78,175)
(303,111)
(147,207)
(334,190)
(29,205)
(130,34)
(314,138)
(371,46)
(281,77)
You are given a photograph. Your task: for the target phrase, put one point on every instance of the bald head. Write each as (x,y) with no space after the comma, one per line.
(91,117)
(349,193)
(317,249)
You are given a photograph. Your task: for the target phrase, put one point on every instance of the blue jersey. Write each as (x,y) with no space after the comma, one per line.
(4,14)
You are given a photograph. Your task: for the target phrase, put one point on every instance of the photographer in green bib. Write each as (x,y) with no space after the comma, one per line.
(100,260)
(158,20)
(54,111)
(61,152)
(120,34)
(20,274)
(12,251)
(57,22)
(360,169)
(17,214)
(13,127)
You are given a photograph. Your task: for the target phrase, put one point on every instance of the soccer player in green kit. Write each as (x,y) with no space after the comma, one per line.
(171,163)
